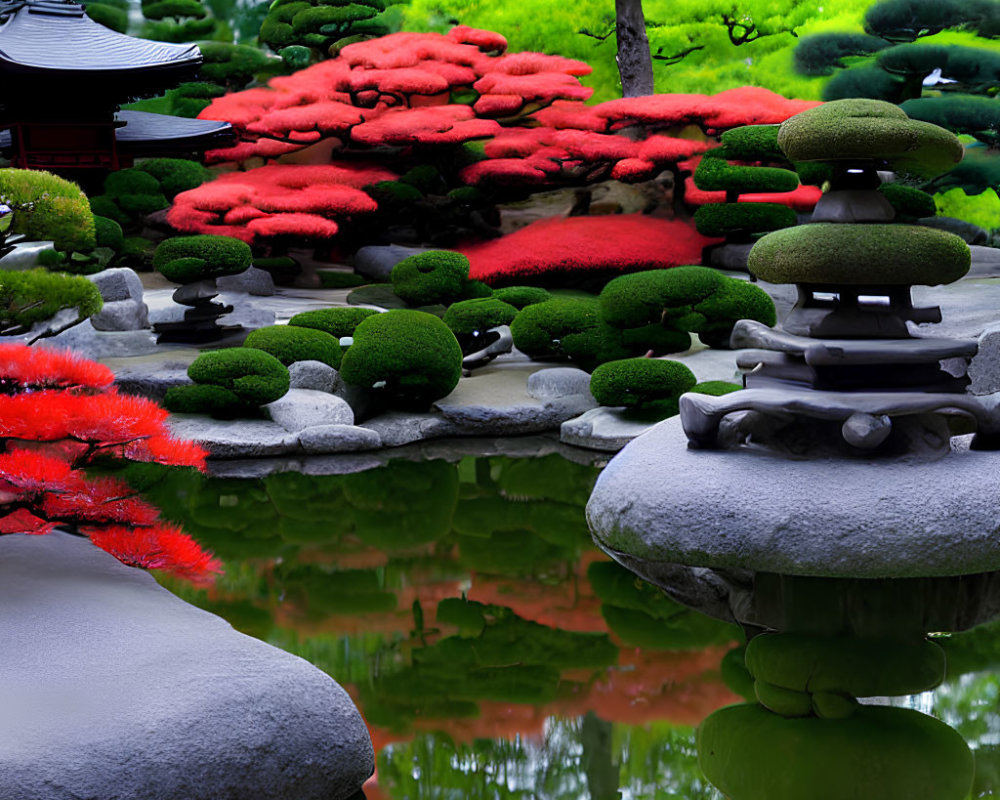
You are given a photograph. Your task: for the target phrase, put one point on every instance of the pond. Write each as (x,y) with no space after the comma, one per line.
(493,650)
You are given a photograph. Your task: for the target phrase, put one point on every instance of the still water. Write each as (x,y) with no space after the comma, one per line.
(493,650)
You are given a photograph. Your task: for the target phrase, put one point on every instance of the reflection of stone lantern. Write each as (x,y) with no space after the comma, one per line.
(842,521)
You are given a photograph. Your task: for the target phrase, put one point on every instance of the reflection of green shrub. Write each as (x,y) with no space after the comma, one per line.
(339,322)
(323,592)
(508,553)
(562,526)
(550,477)
(232,381)
(289,344)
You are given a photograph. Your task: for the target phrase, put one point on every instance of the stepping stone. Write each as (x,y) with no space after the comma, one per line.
(113,688)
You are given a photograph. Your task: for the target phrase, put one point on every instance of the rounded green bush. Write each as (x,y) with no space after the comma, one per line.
(908,201)
(135,192)
(860,254)
(413,356)
(631,301)
(729,219)
(857,129)
(752,143)
(568,328)
(175,175)
(108,233)
(749,753)
(48,207)
(481,314)
(102,205)
(35,295)
(222,255)
(338,322)
(254,376)
(638,382)
(204,398)
(437,276)
(522,296)
(657,338)
(108,16)
(289,344)
(714,174)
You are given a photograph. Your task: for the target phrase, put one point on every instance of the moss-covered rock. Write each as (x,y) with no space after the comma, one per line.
(437,276)
(289,344)
(339,322)
(742,219)
(521,296)
(233,381)
(568,328)
(639,382)
(749,753)
(869,130)
(860,254)
(469,316)
(715,388)
(184,259)
(411,357)
(35,295)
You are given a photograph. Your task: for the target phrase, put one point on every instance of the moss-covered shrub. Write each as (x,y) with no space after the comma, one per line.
(48,207)
(31,296)
(232,382)
(130,194)
(909,201)
(175,175)
(339,322)
(715,388)
(437,276)
(639,383)
(568,328)
(742,219)
(413,357)
(109,15)
(522,296)
(184,259)
(289,344)
(468,316)
(715,173)
(135,191)
(108,233)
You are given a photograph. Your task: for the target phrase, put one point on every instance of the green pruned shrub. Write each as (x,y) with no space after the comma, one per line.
(108,233)
(30,296)
(137,253)
(231,382)
(752,143)
(742,219)
(437,276)
(109,16)
(522,296)
(638,383)
(568,328)
(175,175)
(908,201)
(468,316)
(411,357)
(715,173)
(338,322)
(184,259)
(135,192)
(821,53)
(48,207)
(289,344)
(104,206)
(230,65)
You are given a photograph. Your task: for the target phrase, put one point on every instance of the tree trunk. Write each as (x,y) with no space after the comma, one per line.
(635,64)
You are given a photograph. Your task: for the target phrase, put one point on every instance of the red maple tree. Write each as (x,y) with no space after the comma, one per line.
(59,414)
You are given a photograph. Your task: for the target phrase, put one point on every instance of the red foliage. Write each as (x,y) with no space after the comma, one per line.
(434,125)
(577,245)
(487,41)
(57,414)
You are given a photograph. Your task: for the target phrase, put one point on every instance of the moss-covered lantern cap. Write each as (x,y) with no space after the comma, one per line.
(860,255)
(869,130)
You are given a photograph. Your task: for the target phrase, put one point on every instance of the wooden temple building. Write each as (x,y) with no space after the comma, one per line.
(63,79)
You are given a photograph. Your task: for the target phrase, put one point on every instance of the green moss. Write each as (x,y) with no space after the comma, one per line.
(715,388)
(205,398)
(894,753)
(752,143)
(135,192)
(869,129)
(252,376)
(338,322)
(715,174)
(742,219)
(413,355)
(108,16)
(35,295)
(221,255)
(175,175)
(48,207)
(568,328)
(632,301)
(908,201)
(108,233)
(290,343)
(437,276)
(522,296)
(469,316)
(637,382)
(102,205)
(233,65)
(859,254)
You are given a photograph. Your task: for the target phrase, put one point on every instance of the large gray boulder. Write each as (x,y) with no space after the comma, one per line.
(124,309)
(112,688)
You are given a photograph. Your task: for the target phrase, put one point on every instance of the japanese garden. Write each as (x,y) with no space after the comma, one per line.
(431,398)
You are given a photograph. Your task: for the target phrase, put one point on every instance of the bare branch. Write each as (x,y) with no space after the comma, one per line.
(676,58)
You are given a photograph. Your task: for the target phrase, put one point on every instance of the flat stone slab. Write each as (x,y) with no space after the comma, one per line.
(113,688)
(659,502)
(603,428)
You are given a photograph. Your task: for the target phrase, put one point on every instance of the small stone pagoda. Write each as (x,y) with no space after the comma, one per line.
(844,503)
(64,79)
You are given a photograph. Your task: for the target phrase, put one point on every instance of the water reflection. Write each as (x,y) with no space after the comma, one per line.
(496,653)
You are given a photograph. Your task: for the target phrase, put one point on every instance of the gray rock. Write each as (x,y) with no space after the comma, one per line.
(303,408)
(251,281)
(235,438)
(376,261)
(115,688)
(985,262)
(314,375)
(602,428)
(984,369)
(338,439)
(245,313)
(92,343)
(118,284)
(730,256)
(151,383)
(24,255)
(548,384)
(488,420)
(658,501)
(121,315)
(395,428)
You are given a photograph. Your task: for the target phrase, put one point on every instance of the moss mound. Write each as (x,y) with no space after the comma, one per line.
(855,129)
(35,295)
(749,753)
(521,296)
(742,219)
(48,207)
(437,276)
(908,201)
(289,344)
(339,322)
(412,355)
(184,259)
(640,382)
(568,328)
(232,382)
(468,316)
(860,254)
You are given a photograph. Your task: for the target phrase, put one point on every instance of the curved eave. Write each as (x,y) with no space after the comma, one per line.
(144,130)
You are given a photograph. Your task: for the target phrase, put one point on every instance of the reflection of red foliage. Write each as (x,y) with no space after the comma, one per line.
(578,245)
(57,414)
